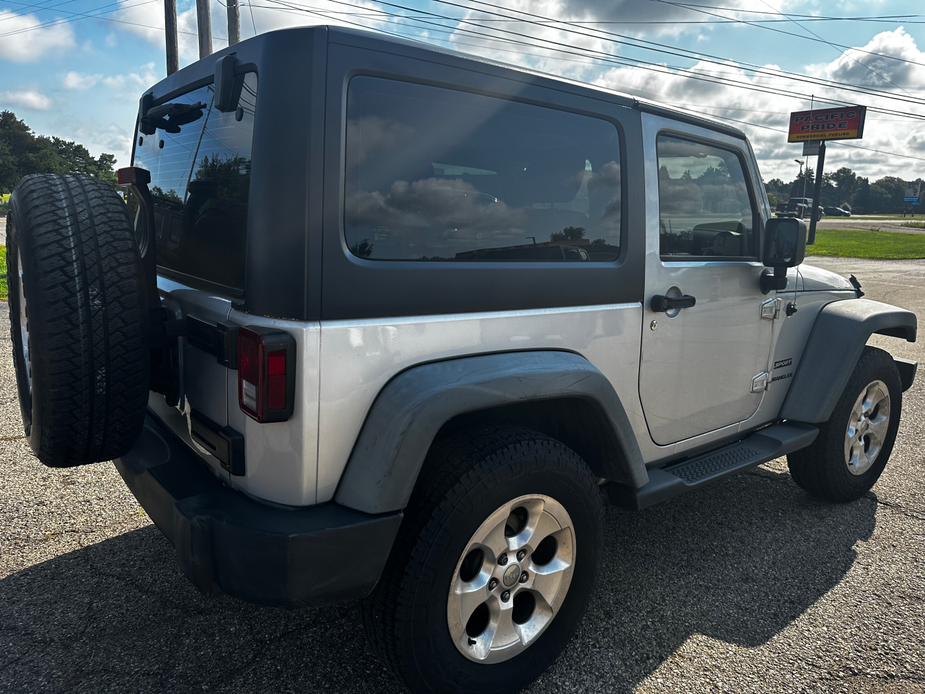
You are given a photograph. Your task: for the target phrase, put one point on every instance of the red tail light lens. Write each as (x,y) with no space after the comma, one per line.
(266,373)
(134,176)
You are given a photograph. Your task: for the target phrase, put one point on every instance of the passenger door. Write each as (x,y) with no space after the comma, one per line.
(701,366)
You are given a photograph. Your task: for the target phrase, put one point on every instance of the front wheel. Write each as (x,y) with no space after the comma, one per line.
(853,446)
(494,565)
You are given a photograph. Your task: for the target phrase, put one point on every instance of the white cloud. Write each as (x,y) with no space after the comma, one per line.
(151,17)
(27,98)
(763,116)
(132,84)
(25,43)
(97,137)
(878,71)
(147,20)
(75,80)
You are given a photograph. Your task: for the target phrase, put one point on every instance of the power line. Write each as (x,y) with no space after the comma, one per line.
(78,16)
(695,8)
(756,125)
(84,15)
(843,53)
(609,58)
(591,22)
(690,55)
(37,7)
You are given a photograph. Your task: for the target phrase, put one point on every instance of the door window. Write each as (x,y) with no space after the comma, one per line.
(705,209)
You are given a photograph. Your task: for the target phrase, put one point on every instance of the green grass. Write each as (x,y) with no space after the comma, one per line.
(914,225)
(849,243)
(3,286)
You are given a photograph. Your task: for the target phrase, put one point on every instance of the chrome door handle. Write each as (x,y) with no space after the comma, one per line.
(661,303)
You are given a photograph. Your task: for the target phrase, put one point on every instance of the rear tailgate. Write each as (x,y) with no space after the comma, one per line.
(200,164)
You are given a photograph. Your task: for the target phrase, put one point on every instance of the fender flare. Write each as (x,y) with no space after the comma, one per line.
(411,408)
(835,343)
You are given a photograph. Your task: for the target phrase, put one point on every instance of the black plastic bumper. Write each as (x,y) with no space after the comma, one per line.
(226,542)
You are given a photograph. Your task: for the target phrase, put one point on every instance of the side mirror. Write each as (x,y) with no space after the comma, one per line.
(784,246)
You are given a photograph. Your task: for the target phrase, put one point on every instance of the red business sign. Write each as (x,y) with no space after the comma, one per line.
(828,124)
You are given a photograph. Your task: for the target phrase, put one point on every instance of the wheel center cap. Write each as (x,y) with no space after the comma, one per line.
(511,575)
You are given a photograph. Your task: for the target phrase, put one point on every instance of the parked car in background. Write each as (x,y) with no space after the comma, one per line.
(800,207)
(836,212)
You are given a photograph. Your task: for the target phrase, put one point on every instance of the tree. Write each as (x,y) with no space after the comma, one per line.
(23,153)
(364,249)
(893,189)
(862,201)
(845,182)
(568,234)
(778,189)
(802,186)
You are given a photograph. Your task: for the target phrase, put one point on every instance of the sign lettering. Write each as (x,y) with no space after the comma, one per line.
(827,124)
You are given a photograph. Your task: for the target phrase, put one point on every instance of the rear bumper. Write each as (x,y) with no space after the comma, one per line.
(227,542)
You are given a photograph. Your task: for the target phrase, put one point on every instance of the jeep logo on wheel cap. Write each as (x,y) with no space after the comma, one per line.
(511,575)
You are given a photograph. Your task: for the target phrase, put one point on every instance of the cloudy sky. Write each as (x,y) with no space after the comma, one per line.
(75,68)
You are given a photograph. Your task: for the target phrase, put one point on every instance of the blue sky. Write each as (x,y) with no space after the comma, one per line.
(80,77)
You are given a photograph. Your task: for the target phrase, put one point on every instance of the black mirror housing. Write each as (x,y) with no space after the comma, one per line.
(784,242)
(227,84)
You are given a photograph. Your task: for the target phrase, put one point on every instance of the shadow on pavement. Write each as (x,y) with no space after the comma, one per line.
(737,562)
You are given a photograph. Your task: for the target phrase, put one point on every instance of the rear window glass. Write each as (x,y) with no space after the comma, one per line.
(200,182)
(436,174)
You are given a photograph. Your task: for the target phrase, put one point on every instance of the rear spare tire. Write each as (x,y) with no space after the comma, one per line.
(78,315)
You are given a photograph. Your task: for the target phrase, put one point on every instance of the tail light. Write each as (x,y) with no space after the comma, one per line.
(266,373)
(133,176)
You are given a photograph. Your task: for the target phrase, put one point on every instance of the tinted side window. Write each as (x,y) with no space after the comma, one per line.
(704,206)
(434,174)
(200,185)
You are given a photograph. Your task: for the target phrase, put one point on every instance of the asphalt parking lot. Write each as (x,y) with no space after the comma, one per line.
(747,586)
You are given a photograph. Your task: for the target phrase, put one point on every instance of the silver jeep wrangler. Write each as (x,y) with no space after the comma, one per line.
(386,322)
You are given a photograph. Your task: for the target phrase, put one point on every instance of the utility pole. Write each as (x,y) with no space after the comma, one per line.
(170,30)
(204,25)
(234,22)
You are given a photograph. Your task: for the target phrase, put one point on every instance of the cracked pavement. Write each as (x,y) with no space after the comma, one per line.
(746,586)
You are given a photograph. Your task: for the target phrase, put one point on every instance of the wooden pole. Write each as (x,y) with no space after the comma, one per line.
(234,22)
(204,26)
(170,31)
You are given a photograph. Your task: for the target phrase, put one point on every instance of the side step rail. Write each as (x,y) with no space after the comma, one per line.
(674,480)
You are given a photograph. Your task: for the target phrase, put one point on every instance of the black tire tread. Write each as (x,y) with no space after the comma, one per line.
(813,468)
(455,466)
(87,318)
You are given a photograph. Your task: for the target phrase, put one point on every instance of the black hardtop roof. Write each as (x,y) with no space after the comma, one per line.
(359,38)
(412,48)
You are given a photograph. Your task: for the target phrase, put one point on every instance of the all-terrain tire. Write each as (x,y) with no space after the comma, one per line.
(466,478)
(78,314)
(822,469)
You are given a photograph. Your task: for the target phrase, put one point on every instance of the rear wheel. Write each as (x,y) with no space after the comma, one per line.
(853,446)
(78,319)
(494,565)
